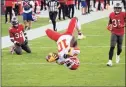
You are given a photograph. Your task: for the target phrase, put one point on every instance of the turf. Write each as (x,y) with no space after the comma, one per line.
(4,27)
(33,70)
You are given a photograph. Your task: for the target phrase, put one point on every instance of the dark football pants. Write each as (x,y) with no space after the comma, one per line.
(71,7)
(88,5)
(115,39)
(62,7)
(52,16)
(16,9)
(8,9)
(18,49)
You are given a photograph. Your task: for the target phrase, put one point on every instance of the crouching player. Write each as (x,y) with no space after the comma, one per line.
(67,46)
(18,37)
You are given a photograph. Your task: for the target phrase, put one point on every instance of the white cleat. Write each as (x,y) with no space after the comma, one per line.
(109,63)
(117,58)
(81,36)
(49,21)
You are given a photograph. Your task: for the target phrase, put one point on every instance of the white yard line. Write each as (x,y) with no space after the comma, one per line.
(82,63)
(44,47)
(39,32)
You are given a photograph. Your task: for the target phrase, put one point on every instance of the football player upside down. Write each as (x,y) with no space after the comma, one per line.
(67,46)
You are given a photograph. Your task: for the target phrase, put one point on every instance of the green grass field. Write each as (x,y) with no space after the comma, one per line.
(33,70)
(40,22)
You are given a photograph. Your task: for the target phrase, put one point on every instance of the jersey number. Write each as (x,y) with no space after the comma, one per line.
(115,22)
(18,35)
(62,44)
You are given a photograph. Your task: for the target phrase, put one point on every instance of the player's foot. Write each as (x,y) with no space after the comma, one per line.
(29,28)
(26,27)
(117,58)
(81,36)
(12,50)
(49,21)
(109,63)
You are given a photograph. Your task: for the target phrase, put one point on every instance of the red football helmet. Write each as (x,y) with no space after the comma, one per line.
(72,63)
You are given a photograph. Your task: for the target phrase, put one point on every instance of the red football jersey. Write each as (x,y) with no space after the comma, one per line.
(118,20)
(17,34)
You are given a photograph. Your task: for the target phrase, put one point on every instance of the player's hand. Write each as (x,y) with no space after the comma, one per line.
(70,51)
(52,57)
(109,27)
(26,42)
(121,26)
(55,55)
(17,43)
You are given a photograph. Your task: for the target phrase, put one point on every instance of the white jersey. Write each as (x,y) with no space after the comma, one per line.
(63,44)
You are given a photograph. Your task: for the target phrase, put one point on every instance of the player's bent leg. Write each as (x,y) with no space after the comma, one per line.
(111,51)
(26,48)
(53,34)
(18,50)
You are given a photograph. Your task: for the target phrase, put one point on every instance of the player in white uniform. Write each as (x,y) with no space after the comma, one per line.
(66,42)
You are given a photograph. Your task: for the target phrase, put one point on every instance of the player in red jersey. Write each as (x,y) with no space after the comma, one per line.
(117,20)
(18,37)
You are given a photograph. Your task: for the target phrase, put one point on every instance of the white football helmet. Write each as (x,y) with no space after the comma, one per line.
(117,7)
(72,63)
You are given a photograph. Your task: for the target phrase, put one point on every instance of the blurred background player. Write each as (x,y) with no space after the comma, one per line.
(18,37)
(28,8)
(8,9)
(53,6)
(117,20)
(62,7)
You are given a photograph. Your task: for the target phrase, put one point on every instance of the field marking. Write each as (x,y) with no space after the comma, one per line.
(56,47)
(79,46)
(18,64)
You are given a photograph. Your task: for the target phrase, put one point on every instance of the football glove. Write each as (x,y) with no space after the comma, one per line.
(73,51)
(17,43)
(52,57)
(109,27)
(26,42)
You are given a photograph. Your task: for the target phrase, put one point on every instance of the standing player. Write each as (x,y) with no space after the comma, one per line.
(28,7)
(18,37)
(117,20)
(53,6)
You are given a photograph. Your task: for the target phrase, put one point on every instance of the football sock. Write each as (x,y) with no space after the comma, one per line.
(119,51)
(111,52)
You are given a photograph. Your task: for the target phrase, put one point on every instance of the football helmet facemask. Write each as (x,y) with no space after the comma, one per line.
(14,22)
(72,63)
(117,8)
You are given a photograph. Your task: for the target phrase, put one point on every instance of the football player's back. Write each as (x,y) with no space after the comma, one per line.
(63,44)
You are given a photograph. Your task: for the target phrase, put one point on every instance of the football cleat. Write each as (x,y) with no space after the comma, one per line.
(81,36)
(109,63)
(117,58)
